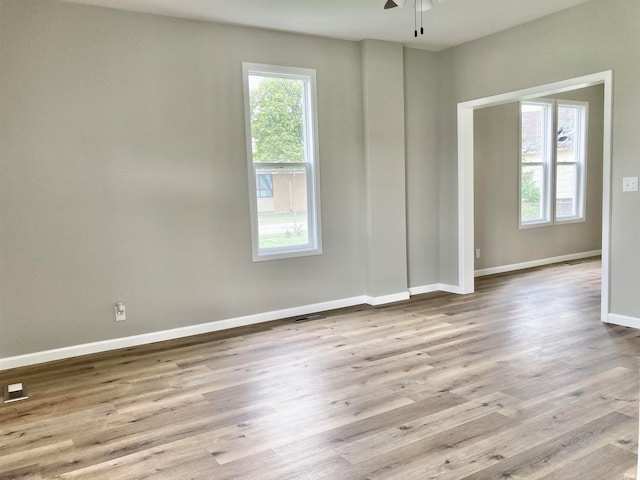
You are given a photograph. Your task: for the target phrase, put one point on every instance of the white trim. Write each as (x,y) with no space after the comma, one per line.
(394,297)
(452,289)
(546,162)
(465,172)
(606,194)
(436,287)
(581,200)
(124,342)
(466,226)
(536,263)
(623,320)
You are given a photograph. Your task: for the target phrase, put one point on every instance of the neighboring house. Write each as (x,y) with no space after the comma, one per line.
(279,192)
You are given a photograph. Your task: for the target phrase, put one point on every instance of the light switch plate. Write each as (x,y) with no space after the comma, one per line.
(630,184)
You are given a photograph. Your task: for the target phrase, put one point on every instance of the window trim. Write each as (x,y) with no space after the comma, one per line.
(311,163)
(547,165)
(550,164)
(581,164)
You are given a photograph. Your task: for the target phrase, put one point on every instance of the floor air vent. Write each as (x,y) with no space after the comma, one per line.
(307,318)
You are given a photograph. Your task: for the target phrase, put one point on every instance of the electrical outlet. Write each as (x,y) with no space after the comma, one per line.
(121,313)
(15,392)
(477,253)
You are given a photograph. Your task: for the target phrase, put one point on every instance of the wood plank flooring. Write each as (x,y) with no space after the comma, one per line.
(517,381)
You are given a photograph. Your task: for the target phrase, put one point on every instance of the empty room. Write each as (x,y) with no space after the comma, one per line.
(374,239)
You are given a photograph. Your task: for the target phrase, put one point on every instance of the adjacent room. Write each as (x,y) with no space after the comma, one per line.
(332,240)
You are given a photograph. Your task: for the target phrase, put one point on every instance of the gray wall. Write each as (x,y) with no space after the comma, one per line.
(124,174)
(496,169)
(384,166)
(123,163)
(422,73)
(447,174)
(596,36)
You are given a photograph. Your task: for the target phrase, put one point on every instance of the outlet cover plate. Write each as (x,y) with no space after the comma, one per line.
(15,392)
(121,313)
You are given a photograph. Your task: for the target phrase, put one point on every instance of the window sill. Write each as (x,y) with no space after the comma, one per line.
(281,255)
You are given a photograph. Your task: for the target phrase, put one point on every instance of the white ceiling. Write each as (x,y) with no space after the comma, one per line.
(446,24)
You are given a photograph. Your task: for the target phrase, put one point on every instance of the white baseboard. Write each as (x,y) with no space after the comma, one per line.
(124,342)
(536,263)
(146,338)
(623,320)
(423,289)
(436,287)
(394,297)
(450,288)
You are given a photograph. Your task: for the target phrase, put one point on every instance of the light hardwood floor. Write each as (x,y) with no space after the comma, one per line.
(517,381)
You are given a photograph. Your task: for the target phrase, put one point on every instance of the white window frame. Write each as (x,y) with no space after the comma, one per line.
(311,155)
(581,163)
(550,164)
(546,164)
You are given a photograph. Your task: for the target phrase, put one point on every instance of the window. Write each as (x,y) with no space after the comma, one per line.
(264,185)
(536,125)
(571,157)
(552,162)
(283,161)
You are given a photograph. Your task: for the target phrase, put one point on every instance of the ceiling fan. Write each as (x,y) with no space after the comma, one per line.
(423,5)
(418,5)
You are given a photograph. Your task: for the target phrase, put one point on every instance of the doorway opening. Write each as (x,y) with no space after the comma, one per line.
(466,226)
